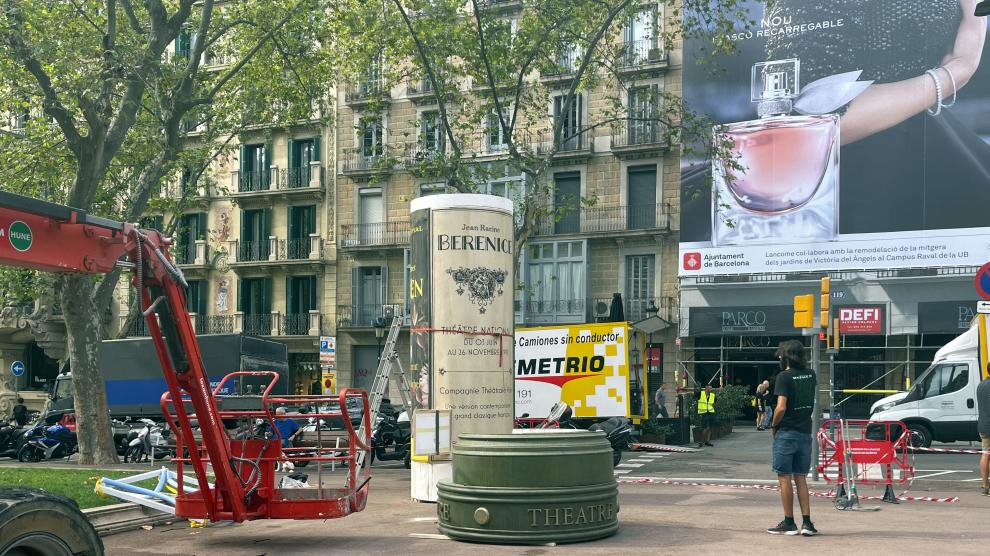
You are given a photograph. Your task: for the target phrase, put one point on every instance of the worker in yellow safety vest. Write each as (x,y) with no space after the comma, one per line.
(706,410)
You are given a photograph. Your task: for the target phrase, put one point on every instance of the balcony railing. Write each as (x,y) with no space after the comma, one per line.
(351,316)
(594,309)
(640,134)
(248,182)
(376,234)
(640,53)
(566,63)
(184,253)
(253,251)
(297,249)
(301,177)
(359,161)
(364,91)
(298,324)
(258,324)
(217,324)
(586,220)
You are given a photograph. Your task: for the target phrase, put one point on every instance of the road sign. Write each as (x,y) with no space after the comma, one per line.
(982,281)
(328,350)
(983,307)
(17,367)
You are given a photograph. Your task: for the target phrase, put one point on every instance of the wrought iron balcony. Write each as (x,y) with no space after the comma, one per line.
(250,182)
(253,251)
(363,92)
(641,53)
(640,136)
(357,162)
(259,324)
(377,234)
(363,316)
(596,219)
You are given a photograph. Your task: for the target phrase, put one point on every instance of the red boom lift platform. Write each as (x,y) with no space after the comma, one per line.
(55,238)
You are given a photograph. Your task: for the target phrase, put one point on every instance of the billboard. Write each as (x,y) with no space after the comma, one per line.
(585,366)
(844,135)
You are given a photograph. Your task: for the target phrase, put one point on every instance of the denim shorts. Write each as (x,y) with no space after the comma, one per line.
(791,453)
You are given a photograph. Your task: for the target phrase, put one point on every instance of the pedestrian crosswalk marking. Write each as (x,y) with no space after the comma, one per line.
(633,465)
(621,471)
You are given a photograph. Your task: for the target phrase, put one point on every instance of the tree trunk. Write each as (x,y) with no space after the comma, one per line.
(82,321)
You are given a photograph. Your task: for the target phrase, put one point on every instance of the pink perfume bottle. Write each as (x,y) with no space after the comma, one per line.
(776,178)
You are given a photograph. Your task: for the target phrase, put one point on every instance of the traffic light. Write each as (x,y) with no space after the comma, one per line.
(804,311)
(823,306)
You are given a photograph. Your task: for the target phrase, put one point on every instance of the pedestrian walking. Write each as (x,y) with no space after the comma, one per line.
(20,415)
(763,412)
(983,426)
(706,410)
(796,389)
(660,397)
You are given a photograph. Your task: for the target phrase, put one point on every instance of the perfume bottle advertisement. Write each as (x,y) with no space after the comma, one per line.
(842,134)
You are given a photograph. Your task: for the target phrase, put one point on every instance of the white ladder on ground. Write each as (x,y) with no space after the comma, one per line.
(388,360)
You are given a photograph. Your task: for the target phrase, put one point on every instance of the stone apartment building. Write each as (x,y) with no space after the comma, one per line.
(302,232)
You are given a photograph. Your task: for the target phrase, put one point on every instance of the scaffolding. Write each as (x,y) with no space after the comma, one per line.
(867,368)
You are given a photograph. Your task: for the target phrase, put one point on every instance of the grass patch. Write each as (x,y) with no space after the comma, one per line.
(77,484)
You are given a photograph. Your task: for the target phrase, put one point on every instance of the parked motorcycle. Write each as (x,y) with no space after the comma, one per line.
(47,442)
(619,434)
(146,441)
(390,441)
(9,435)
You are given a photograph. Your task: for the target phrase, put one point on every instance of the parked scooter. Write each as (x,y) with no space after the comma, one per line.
(144,441)
(47,442)
(9,434)
(390,441)
(619,435)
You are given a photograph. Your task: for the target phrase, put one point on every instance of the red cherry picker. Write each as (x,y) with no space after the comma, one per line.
(55,238)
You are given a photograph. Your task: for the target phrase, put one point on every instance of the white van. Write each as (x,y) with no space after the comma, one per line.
(941,405)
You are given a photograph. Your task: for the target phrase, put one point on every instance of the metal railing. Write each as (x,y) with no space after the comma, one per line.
(253,181)
(294,249)
(358,161)
(639,133)
(295,324)
(641,52)
(301,177)
(584,220)
(366,90)
(420,86)
(375,234)
(184,253)
(258,325)
(350,316)
(565,63)
(216,324)
(253,251)
(595,308)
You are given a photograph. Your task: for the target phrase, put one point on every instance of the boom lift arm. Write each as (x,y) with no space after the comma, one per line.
(55,238)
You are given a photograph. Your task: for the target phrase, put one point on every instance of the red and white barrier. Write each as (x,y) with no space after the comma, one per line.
(830,494)
(662,448)
(946,450)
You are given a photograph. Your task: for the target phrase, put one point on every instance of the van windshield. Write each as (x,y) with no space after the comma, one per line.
(943,378)
(62,389)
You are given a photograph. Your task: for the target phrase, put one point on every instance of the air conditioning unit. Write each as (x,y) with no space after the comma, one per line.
(601,309)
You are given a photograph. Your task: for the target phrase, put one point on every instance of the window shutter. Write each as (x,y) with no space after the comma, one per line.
(201,225)
(355,293)
(266,164)
(243,159)
(240,295)
(311,280)
(293,154)
(293,215)
(384,297)
(316,149)
(290,298)
(266,303)
(310,220)
(245,234)
(266,223)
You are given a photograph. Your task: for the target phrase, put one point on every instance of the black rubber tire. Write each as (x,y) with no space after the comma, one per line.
(616,457)
(38,523)
(921,435)
(28,453)
(134,454)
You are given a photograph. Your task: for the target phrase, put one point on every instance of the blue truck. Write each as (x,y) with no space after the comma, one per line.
(135,383)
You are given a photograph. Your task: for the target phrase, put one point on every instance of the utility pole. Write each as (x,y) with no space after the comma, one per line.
(804,318)
(816,349)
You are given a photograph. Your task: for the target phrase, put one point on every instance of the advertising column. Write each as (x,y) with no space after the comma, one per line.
(460,289)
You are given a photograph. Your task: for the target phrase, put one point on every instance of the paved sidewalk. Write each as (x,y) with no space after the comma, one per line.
(654,519)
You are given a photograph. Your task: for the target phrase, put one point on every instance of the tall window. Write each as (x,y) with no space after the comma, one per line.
(556,275)
(302,152)
(368,293)
(497,137)
(640,280)
(643,115)
(255,233)
(255,162)
(371,135)
(196,299)
(302,223)
(431,137)
(371,216)
(192,227)
(641,195)
(566,202)
(300,299)
(570,116)
(642,35)
(255,301)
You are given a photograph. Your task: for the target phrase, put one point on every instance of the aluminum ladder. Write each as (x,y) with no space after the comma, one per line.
(388,360)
